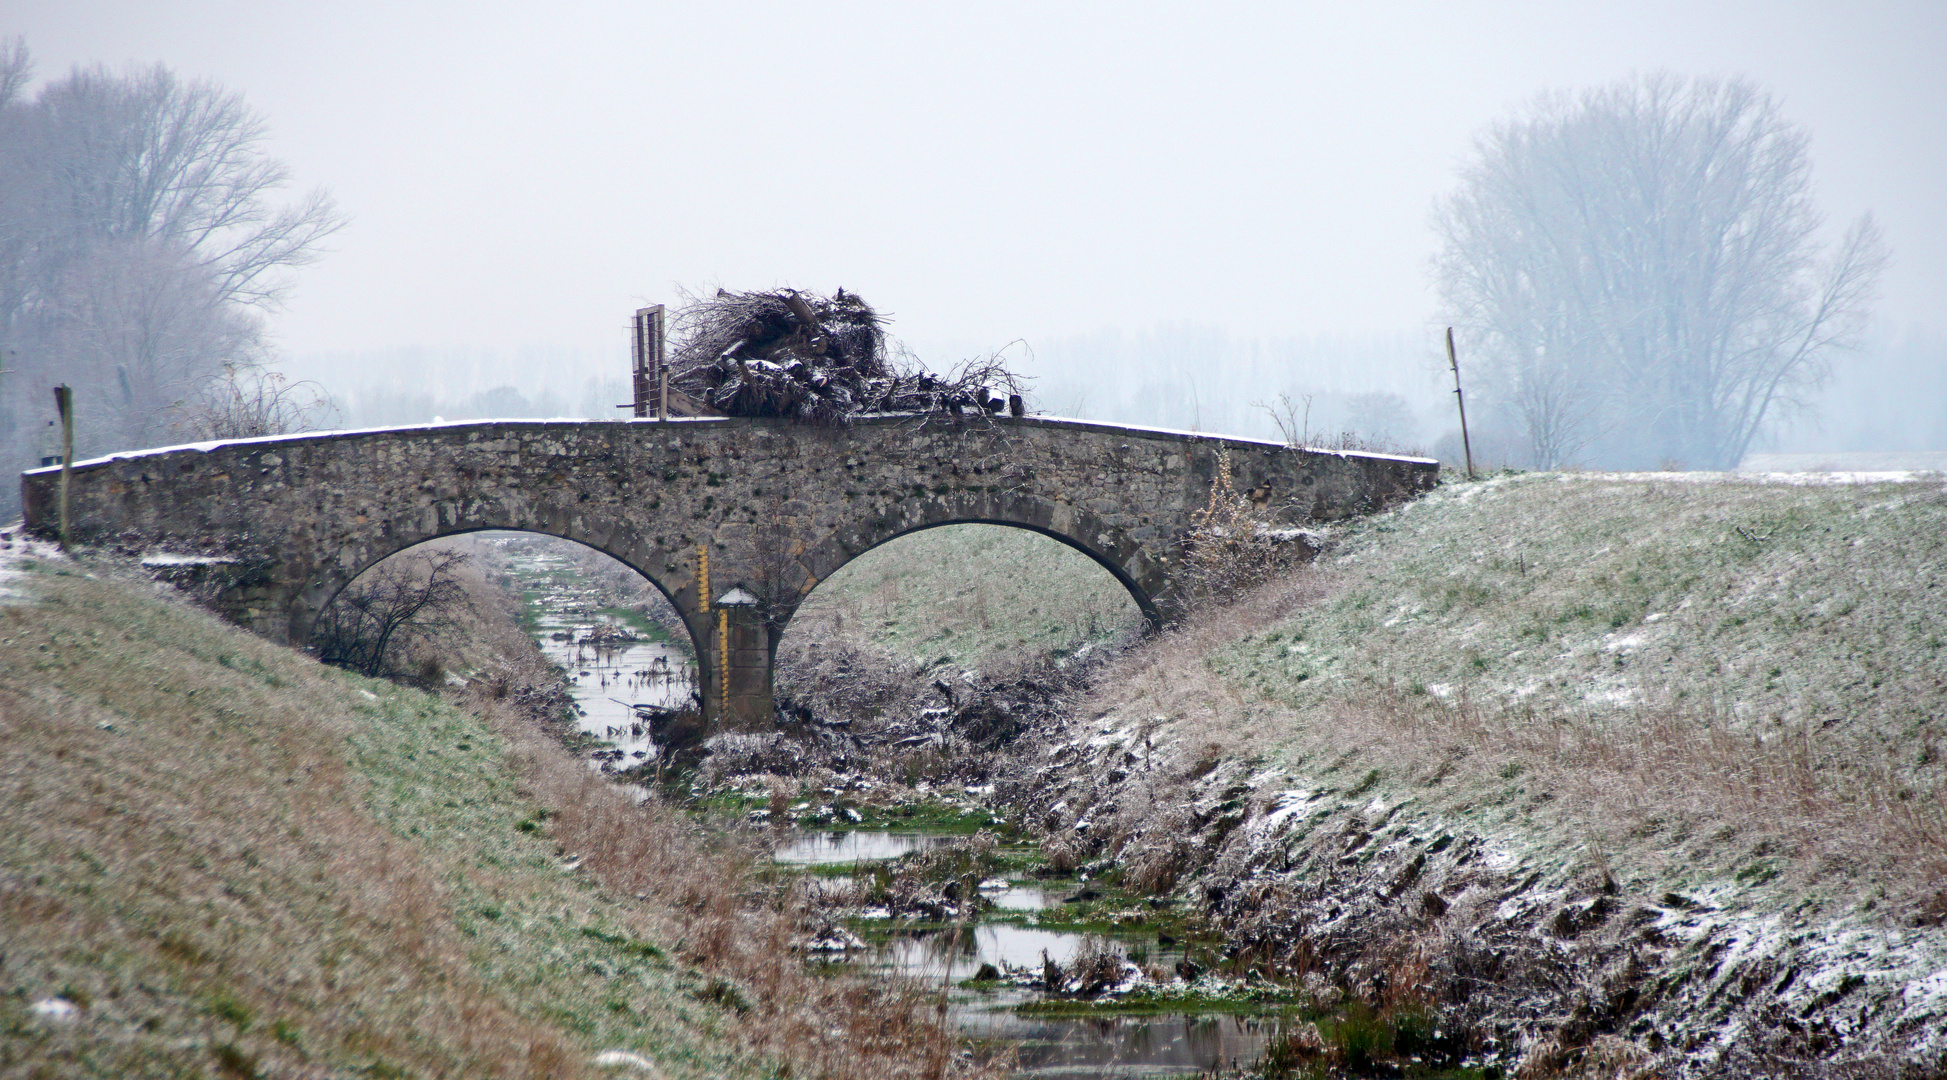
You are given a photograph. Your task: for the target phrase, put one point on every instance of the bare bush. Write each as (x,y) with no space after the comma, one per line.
(408,599)
(1230,548)
(248,402)
(844,681)
(1376,423)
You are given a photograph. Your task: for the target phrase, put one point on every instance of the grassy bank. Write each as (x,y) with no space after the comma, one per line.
(1694,679)
(1636,773)
(966,595)
(1641,771)
(223,859)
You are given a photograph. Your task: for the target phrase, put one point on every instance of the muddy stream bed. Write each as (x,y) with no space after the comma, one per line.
(616,660)
(1006,938)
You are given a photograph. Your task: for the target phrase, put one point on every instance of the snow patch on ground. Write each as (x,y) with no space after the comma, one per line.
(1626,643)
(1285,806)
(16,549)
(622,1059)
(1617,696)
(59,1010)
(1793,479)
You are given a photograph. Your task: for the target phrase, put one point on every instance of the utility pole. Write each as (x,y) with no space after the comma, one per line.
(64,403)
(1461,400)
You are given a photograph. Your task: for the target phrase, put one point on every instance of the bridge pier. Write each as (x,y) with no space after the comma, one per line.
(734,666)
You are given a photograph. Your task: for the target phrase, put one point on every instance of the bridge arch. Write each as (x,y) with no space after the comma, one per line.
(1109,547)
(332,583)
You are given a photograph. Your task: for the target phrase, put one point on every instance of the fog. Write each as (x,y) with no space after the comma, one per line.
(1165,215)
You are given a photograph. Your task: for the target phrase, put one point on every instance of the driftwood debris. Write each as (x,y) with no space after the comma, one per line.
(817,358)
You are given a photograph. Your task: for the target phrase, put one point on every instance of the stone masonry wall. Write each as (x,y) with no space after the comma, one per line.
(768,506)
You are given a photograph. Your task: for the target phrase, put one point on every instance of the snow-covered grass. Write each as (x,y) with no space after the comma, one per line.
(1695,679)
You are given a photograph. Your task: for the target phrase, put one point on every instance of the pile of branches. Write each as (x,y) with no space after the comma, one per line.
(815,358)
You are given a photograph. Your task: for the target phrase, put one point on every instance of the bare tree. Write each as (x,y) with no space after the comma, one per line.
(143,155)
(1294,418)
(135,327)
(16,68)
(406,599)
(1638,267)
(141,235)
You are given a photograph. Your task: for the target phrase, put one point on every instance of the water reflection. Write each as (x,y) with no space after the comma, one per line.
(1095,1047)
(1019,897)
(828,848)
(610,671)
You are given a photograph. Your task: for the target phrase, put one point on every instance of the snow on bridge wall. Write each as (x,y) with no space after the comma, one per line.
(769,506)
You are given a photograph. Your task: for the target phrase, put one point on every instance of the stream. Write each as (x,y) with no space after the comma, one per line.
(616,660)
(1094,1047)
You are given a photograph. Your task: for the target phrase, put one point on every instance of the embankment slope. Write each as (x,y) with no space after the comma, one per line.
(223,859)
(1638,769)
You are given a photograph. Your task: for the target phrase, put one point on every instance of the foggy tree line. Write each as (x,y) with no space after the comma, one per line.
(1635,271)
(1383,387)
(1184,375)
(1891,397)
(141,240)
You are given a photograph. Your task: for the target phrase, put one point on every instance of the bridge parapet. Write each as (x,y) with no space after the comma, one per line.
(698,506)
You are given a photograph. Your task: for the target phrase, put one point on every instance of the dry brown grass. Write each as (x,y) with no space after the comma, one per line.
(1694,680)
(238,862)
(1168,675)
(701,890)
(1687,782)
(186,855)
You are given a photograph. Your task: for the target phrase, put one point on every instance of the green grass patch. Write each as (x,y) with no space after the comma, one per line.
(305,837)
(1009,590)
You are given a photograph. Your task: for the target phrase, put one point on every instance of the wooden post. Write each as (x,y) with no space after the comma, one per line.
(649,363)
(1459,399)
(64,404)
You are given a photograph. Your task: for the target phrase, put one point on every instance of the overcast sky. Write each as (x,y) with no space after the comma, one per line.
(527,174)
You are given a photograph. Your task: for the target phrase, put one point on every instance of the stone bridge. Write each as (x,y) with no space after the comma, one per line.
(708,509)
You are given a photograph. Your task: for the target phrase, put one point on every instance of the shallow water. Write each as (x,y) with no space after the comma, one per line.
(1021,898)
(605,680)
(925,953)
(1094,1048)
(1051,1048)
(840,848)
(1070,1048)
